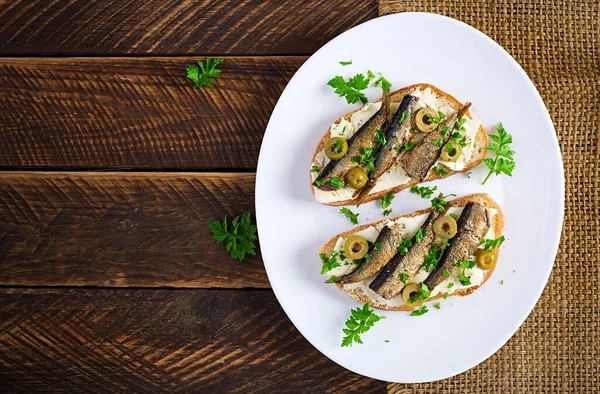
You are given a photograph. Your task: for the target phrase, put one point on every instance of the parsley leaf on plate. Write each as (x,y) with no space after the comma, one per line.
(350,215)
(351,90)
(423,191)
(419,312)
(238,236)
(359,322)
(203,71)
(504,162)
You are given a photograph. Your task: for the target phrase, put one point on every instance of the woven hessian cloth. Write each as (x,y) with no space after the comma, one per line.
(556,42)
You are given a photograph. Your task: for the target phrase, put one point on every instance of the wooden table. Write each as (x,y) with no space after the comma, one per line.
(112,163)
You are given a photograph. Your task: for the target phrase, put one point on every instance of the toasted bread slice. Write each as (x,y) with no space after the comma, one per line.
(361,296)
(445,99)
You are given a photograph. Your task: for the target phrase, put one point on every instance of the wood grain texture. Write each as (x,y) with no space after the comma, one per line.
(122,229)
(135,112)
(151,341)
(112,27)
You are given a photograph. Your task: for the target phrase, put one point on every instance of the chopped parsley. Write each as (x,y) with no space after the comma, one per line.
(439,202)
(437,306)
(460,123)
(346,63)
(446,274)
(380,136)
(445,295)
(204,71)
(377,246)
(403,246)
(336,182)
(419,312)
(320,182)
(502,282)
(441,171)
(331,279)
(469,174)
(423,292)
(359,322)
(464,279)
(403,117)
(387,341)
(450,285)
(386,212)
(459,139)
(239,236)
(420,235)
(387,200)
(504,163)
(351,89)
(366,158)
(314,169)
(437,143)
(343,130)
(403,277)
(330,262)
(337,147)
(423,191)
(444,241)
(492,243)
(433,258)
(350,215)
(444,131)
(453,215)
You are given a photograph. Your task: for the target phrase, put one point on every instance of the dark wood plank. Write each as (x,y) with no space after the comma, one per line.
(115,27)
(138,113)
(122,229)
(150,341)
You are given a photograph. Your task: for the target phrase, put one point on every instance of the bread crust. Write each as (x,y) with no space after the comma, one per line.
(481,198)
(479,153)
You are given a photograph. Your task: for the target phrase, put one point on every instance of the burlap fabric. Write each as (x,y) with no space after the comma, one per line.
(557,43)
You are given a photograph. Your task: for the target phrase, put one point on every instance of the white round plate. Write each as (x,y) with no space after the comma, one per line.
(410,48)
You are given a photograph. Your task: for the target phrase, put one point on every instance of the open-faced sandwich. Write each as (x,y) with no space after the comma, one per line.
(450,249)
(413,135)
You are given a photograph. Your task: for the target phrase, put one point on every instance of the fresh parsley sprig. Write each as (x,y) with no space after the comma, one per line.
(203,71)
(504,163)
(350,215)
(359,322)
(419,312)
(383,83)
(238,236)
(423,191)
(351,89)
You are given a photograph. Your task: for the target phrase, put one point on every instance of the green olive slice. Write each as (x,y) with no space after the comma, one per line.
(424,119)
(410,293)
(486,259)
(445,226)
(356,177)
(336,148)
(451,151)
(356,247)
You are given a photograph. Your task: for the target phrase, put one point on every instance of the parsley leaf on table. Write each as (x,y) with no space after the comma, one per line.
(423,191)
(238,236)
(383,83)
(351,90)
(359,322)
(439,202)
(346,63)
(504,162)
(203,71)
(387,200)
(350,215)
